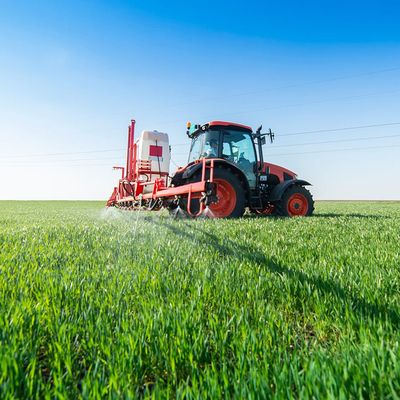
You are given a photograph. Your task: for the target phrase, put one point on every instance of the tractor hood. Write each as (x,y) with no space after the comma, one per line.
(282,173)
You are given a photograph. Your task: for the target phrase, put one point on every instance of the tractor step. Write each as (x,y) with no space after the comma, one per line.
(255,202)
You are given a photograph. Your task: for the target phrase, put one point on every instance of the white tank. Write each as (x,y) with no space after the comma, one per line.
(153,148)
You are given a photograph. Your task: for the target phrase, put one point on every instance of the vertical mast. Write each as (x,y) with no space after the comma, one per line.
(131,156)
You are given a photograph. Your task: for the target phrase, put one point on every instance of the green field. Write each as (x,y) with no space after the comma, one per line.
(114,304)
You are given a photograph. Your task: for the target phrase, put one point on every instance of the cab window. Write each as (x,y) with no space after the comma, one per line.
(238,147)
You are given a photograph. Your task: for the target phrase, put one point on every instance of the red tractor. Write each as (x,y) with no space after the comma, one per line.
(225,174)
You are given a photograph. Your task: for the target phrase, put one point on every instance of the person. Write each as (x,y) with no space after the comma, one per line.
(212,151)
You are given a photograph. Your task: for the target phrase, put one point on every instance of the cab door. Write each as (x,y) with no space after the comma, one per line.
(238,147)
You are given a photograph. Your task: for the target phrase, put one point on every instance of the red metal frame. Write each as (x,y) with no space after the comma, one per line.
(135,169)
(131,156)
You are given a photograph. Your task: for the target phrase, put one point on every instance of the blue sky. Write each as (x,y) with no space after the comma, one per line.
(73,73)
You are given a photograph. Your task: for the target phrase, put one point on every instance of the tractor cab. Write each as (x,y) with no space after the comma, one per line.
(228,141)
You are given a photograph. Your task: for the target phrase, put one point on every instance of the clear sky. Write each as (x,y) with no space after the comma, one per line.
(73,73)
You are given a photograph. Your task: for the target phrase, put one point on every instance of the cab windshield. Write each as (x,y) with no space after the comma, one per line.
(205,145)
(235,146)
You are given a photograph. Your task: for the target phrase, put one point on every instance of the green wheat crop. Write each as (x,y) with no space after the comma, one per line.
(112,304)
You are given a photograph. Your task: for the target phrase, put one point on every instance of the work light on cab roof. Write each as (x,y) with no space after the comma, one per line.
(225,175)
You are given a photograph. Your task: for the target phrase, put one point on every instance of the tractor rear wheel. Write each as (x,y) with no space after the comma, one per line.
(230,194)
(297,201)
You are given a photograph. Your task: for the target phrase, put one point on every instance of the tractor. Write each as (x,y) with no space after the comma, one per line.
(225,175)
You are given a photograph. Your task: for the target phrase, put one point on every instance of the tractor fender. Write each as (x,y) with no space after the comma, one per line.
(192,169)
(236,170)
(277,192)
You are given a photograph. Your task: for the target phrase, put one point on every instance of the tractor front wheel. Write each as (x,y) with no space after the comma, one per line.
(231,196)
(296,202)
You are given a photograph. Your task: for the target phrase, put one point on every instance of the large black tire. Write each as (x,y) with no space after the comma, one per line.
(295,201)
(230,192)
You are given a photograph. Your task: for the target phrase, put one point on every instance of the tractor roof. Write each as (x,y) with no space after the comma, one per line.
(233,124)
(201,128)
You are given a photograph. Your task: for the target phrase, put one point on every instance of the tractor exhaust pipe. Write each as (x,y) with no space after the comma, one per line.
(260,150)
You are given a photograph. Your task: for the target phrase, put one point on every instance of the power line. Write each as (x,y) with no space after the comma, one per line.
(173,162)
(188,144)
(63,154)
(337,141)
(57,165)
(328,130)
(336,150)
(280,154)
(340,129)
(315,102)
(75,159)
(244,112)
(289,86)
(325,142)
(273,155)
(297,104)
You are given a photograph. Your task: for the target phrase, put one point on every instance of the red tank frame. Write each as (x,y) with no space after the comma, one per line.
(130,187)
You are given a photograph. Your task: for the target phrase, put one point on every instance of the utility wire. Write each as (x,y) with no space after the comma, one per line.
(187,144)
(337,141)
(295,104)
(327,130)
(294,85)
(272,155)
(57,165)
(327,100)
(173,162)
(337,150)
(63,154)
(340,129)
(245,94)
(76,159)
(325,142)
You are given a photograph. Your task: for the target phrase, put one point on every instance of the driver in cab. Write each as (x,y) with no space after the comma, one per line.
(212,150)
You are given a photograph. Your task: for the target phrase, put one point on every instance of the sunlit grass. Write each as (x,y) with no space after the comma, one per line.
(97,303)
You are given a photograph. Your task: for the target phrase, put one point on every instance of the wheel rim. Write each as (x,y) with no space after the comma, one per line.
(226,199)
(297,204)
